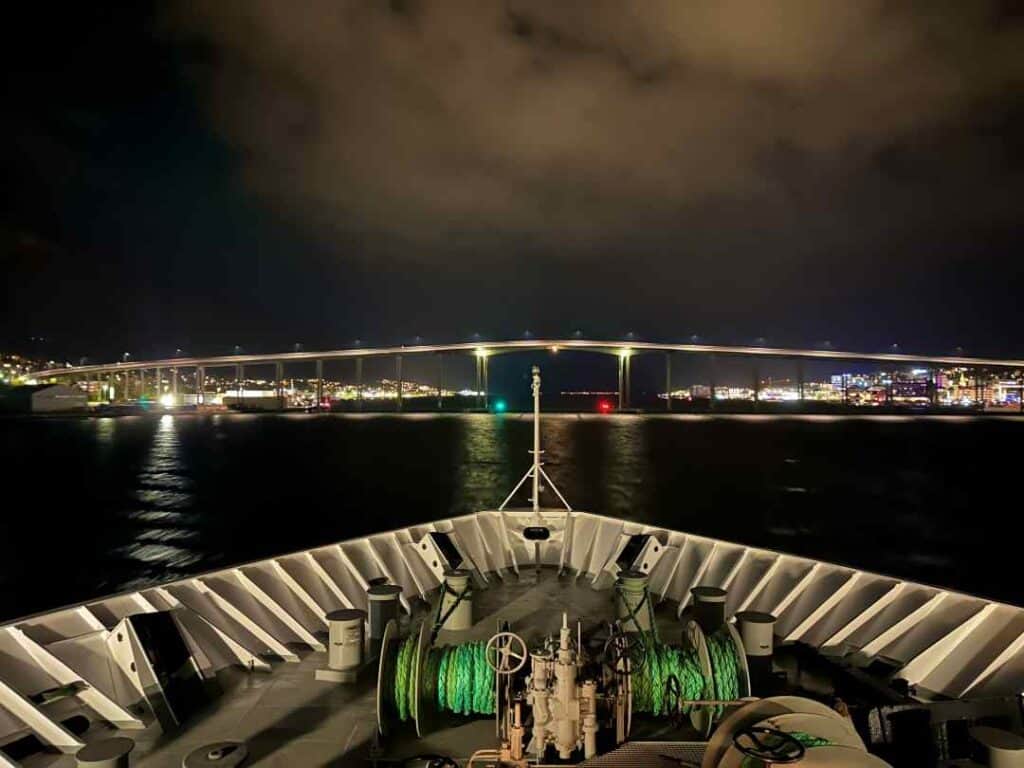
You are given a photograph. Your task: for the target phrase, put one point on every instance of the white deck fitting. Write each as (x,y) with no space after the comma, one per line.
(944,642)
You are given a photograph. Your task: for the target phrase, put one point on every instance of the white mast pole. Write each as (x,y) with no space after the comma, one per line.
(536,439)
(536,470)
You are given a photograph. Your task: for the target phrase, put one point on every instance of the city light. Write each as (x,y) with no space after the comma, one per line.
(481,352)
(167,400)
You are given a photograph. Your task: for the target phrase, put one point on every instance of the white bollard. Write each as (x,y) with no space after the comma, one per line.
(345,646)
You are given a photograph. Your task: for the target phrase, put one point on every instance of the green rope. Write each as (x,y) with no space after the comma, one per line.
(664,661)
(404,693)
(809,742)
(464,679)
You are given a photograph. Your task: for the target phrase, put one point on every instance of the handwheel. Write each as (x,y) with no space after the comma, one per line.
(769,745)
(626,646)
(506,648)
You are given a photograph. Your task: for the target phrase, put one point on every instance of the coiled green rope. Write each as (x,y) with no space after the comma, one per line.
(464,679)
(663,661)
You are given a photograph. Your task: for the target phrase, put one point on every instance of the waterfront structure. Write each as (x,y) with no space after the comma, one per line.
(42,398)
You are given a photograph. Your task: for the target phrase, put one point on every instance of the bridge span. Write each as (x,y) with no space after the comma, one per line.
(482,350)
(485,349)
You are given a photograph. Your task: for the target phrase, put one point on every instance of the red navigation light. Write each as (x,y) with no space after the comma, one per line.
(604,406)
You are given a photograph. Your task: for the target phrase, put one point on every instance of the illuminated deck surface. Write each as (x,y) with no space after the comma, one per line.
(287,718)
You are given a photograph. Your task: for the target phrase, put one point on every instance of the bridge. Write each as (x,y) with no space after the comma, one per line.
(625,351)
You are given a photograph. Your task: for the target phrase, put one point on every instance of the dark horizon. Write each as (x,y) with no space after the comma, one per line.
(205,177)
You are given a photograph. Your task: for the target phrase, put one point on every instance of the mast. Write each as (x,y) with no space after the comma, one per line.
(536,439)
(536,470)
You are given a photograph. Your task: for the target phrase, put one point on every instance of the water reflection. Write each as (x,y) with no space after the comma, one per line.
(163,487)
(483,475)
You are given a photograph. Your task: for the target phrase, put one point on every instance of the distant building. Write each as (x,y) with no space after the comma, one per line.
(42,398)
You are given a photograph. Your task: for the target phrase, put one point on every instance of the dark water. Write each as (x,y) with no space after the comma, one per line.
(94,506)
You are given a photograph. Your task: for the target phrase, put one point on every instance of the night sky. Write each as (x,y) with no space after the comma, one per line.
(261,173)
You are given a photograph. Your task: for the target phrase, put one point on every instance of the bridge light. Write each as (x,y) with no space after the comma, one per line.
(554,349)
(481,352)
(626,352)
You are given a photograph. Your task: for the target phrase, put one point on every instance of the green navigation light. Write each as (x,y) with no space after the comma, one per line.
(500,406)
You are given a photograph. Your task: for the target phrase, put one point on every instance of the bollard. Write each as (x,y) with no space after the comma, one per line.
(757,631)
(456,601)
(709,608)
(383,604)
(105,753)
(632,603)
(345,646)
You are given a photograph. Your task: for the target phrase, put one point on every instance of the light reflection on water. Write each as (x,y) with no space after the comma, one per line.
(162,486)
(144,499)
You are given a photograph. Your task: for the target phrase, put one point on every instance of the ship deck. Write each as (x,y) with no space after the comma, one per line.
(287,718)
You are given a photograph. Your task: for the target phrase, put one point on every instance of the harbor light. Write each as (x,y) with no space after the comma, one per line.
(500,406)
(167,400)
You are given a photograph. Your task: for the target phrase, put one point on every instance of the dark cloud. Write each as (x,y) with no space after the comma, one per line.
(580,122)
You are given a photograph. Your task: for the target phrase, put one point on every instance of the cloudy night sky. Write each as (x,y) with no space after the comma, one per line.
(260,173)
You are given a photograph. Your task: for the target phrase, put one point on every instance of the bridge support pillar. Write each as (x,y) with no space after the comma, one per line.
(200,385)
(479,381)
(240,383)
(668,381)
(174,384)
(627,381)
(142,384)
(978,391)
(483,366)
(933,388)
(622,372)
(279,383)
(111,391)
(398,376)
(846,389)
(800,381)
(757,385)
(319,385)
(359,383)
(713,368)
(440,381)
(889,389)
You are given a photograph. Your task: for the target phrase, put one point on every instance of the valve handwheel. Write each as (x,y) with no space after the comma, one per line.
(769,745)
(508,651)
(626,646)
